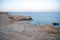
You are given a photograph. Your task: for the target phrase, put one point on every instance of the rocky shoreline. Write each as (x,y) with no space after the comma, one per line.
(18,28)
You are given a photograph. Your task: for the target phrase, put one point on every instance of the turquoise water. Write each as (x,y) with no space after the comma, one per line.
(42,17)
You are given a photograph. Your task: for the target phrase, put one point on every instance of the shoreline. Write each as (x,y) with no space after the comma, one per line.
(23,30)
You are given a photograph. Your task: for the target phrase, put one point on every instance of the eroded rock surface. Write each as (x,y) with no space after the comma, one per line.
(23,30)
(21,17)
(4,18)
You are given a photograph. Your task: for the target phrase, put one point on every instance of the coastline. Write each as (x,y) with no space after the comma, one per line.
(23,30)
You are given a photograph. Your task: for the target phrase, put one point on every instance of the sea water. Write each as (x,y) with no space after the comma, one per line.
(42,17)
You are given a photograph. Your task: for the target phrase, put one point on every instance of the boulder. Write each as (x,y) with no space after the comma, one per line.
(55,23)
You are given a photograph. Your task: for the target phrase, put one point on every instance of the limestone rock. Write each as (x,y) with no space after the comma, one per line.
(48,28)
(21,17)
(4,18)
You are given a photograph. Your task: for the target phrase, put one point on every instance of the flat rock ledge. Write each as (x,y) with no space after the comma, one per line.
(23,30)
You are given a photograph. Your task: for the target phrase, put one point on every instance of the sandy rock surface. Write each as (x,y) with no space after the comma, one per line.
(23,30)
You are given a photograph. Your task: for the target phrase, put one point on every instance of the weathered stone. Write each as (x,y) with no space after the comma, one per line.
(4,18)
(21,17)
(48,28)
(21,30)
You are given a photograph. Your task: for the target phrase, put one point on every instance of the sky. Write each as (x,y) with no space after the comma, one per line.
(29,5)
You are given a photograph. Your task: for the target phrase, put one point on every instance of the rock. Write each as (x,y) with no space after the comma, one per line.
(22,30)
(19,30)
(21,17)
(48,29)
(4,18)
(52,28)
(55,24)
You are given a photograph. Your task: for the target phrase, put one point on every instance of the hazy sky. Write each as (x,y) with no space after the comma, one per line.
(29,5)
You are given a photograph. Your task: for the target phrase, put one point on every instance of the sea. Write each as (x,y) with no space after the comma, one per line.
(47,18)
